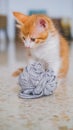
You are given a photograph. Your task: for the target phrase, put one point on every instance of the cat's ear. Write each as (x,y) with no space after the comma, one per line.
(20,18)
(41,24)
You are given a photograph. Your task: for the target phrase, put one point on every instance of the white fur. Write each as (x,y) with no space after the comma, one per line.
(48,52)
(28,43)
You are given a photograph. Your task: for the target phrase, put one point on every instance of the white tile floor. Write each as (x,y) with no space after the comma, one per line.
(54,112)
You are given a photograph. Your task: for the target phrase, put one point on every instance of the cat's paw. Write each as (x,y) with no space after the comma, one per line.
(17,72)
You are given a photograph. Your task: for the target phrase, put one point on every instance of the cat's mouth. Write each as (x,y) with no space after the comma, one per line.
(28,47)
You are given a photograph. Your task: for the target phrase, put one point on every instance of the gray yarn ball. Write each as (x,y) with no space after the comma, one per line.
(35,81)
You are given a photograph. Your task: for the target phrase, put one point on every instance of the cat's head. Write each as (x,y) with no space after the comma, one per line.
(34,29)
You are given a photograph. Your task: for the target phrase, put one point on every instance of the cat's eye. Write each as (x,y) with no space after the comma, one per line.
(33,39)
(23,38)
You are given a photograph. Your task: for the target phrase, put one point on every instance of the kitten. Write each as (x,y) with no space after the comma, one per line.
(43,43)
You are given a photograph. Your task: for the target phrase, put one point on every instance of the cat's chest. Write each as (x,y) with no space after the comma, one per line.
(49,51)
(40,53)
(46,53)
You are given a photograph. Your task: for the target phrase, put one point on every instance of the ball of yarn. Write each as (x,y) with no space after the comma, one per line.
(35,81)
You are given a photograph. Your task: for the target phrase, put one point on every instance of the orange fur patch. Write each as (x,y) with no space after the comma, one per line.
(17,72)
(64,53)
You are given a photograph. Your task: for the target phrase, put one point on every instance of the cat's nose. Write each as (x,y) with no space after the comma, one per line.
(27,43)
(27,46)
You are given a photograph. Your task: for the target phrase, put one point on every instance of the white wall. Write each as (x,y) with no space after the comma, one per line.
(3,7)
(58,8)
(54,8)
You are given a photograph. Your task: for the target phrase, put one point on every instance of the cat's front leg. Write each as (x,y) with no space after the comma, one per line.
(17,72)
(55,66)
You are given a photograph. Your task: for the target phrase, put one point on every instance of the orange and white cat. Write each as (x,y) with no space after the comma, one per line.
(43,43)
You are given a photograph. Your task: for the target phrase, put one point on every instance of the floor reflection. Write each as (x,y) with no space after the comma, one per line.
(9,54)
